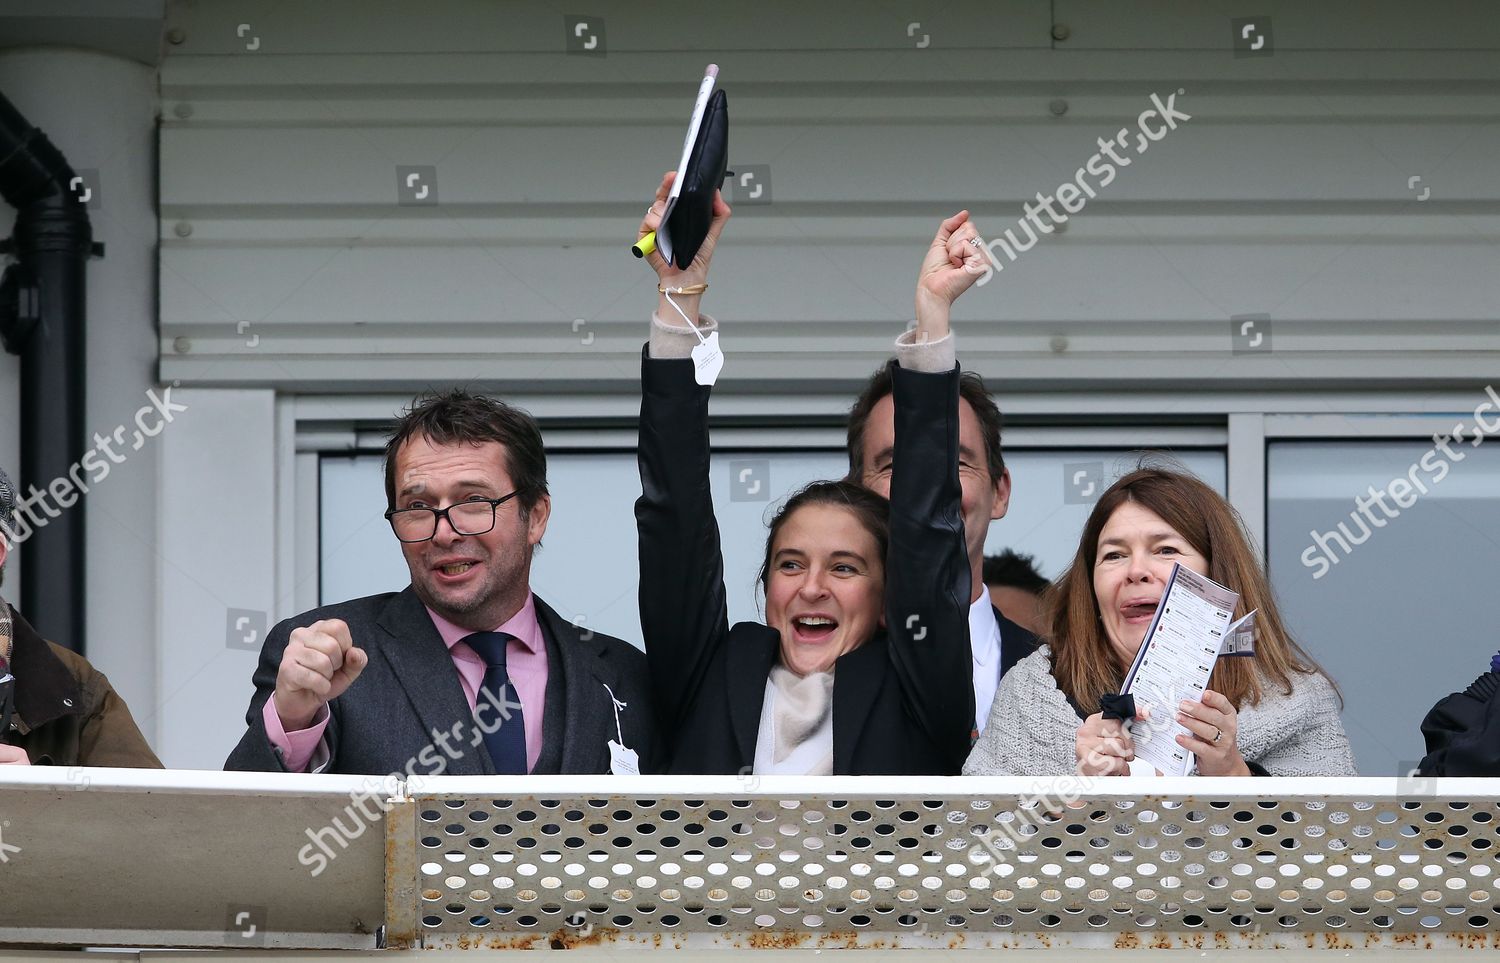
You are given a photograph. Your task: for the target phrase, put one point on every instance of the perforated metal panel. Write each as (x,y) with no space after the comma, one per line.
(972,856)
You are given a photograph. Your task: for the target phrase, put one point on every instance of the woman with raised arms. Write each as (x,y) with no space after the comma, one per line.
(863,664)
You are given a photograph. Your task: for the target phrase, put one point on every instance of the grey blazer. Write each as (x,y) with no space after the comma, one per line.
(388,721)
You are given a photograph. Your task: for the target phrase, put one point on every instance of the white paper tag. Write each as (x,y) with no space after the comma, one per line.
(708,360)
(623,761)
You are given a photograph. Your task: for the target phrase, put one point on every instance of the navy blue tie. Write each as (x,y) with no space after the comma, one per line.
(498,707)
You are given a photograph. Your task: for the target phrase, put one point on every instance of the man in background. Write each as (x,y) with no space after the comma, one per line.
(997,642)
(1016,589)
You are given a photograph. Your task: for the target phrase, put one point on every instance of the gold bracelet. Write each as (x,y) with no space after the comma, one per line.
(688,289)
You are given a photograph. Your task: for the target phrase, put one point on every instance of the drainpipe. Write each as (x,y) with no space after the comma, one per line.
(42,310)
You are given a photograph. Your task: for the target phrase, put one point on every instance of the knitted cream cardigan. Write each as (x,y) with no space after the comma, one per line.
(1032,728)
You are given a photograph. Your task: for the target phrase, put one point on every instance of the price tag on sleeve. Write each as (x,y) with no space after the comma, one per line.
(708,360)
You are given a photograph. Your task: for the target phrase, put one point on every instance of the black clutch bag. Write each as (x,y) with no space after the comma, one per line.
(687,223)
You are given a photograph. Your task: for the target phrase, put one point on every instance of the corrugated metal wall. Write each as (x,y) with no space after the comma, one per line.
(1339,180)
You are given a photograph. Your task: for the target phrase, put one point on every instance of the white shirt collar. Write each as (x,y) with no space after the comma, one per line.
(984,631)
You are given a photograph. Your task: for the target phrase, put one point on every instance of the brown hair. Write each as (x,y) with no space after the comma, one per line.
(1083,662)
(872,512)
(970,388)
(456,417)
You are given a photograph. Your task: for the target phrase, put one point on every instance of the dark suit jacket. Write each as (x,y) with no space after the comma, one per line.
(1463,731)
(409,692)
(1016,644)
(903,703)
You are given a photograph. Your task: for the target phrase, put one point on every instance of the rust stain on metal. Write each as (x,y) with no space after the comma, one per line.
(570,939)
(835,939)
(790,939)
(777,940)
(510,941)
(1473,941)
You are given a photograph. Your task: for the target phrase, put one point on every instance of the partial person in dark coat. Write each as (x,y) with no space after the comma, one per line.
(862,665)
(1463,730)
(464,671)
(55,708)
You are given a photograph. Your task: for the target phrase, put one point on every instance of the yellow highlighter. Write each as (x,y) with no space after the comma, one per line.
(644,246)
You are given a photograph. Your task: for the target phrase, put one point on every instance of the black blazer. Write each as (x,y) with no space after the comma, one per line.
(1463,731)
(903,703)
(1016,644)
(409,692)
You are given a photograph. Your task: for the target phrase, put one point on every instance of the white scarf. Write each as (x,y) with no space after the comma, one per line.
(796,724)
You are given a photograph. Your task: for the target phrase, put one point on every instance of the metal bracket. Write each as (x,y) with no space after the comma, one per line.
(20,307)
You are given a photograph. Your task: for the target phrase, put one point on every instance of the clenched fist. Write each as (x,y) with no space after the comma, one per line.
(319,663)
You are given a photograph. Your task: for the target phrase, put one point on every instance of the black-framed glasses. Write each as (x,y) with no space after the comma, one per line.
(473,517)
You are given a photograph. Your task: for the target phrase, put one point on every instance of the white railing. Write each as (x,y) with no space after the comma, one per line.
(177,858)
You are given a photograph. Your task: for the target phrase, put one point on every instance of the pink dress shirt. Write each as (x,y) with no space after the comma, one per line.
(526,664)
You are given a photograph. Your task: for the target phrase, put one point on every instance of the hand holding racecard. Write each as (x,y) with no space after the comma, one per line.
(1190,631)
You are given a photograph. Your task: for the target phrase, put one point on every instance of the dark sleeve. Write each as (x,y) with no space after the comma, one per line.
(1463,732)
(111,738)
(684,615)
(927,570)
(255,753)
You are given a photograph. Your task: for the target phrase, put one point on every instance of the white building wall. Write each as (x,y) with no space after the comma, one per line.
(1286,194)
(99,110)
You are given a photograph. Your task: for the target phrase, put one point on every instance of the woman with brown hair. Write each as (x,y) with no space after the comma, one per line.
(862,665)
(1273,713)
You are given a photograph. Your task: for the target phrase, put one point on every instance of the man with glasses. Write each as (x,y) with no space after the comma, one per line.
(465,671)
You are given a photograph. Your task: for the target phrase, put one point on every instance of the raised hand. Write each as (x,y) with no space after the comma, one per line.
(320,662)
(954,261)
(669,275)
